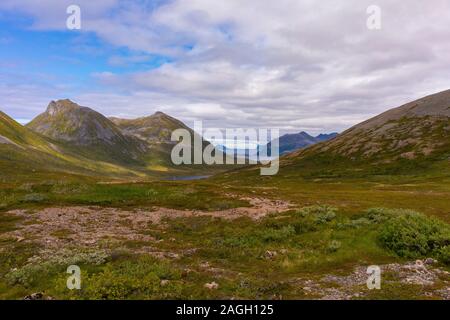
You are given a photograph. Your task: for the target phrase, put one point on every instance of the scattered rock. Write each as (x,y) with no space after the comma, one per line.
(429,261)
(190,252)
(173,255)
(212,286)
(270,254)
(186,272)
(37,296)
(34,296)
(164,283)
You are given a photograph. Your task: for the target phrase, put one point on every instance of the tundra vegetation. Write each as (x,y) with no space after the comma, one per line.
(377,194)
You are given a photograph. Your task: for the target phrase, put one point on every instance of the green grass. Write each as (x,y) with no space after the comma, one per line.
(181,195)
(329,232)
(309,243)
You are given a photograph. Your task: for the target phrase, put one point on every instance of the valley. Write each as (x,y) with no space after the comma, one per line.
(376,194)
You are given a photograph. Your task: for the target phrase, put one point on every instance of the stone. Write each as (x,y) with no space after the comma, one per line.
(164,283)
(419,263)
(212,286)
(270,254)
(37,296)
(173,255)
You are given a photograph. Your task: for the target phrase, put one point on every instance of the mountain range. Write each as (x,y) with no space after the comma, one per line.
(78,140)
(295,141)
(72,138)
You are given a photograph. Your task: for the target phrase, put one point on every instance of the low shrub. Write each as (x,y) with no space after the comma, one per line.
(134,278)
(414,235)
(320,213)
(443,255)
(39,267)
(34,197)
(271,235)
(373,216)
(309,219)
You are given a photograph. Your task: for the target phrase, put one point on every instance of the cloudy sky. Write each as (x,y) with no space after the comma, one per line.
(289,64)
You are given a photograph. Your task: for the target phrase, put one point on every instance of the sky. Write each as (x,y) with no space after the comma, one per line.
(296,65)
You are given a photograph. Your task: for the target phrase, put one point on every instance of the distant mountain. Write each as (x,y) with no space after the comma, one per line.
(78,140)
(87,131)
(292,142)
(416,134)
(156,128)
(324,137)
(156,131)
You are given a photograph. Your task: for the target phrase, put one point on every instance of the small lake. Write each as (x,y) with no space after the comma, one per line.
(187,178)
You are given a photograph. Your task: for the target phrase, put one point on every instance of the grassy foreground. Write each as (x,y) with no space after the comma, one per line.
(332,230)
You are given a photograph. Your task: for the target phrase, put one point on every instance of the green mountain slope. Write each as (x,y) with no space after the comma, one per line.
(156,128)
(156,131)
(87,132)
(68,138)
(22,148)
(25,154)
(411,137)
(14,134)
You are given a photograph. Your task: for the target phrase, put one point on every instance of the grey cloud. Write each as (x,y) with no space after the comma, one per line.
(289,63)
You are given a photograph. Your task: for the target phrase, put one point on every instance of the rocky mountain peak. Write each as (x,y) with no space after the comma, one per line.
(64,105)
(159,114)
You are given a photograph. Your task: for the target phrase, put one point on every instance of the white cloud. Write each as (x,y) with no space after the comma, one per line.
(294,64)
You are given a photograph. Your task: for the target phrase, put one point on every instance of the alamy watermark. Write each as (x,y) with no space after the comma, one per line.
(239,146)
(374,19)
(74,281)
(73,22)
(374,279)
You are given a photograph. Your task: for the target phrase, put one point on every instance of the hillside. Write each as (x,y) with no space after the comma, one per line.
(21,149)
(14,134)
(415,135)
(79,140)
(156,131)
(87,132)
(156,128)
(25,154)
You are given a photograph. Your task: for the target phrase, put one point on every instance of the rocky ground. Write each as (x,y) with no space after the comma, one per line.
(55,229)
(430,280)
